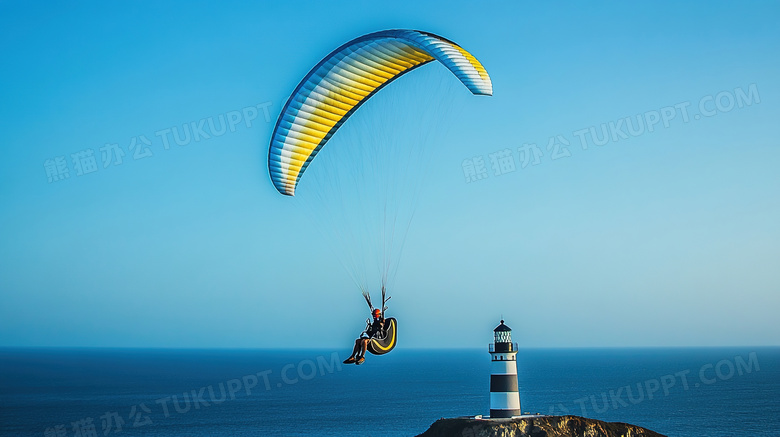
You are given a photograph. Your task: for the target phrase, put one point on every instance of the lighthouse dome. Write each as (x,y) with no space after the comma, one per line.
(502,328)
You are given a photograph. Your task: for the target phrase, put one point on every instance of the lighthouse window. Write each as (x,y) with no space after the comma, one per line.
(503,337)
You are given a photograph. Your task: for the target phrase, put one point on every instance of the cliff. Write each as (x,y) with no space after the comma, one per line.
(541,426)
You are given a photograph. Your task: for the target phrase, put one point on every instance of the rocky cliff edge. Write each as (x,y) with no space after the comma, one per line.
(536,426)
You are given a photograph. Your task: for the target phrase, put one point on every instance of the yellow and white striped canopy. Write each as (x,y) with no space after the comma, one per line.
(344,80)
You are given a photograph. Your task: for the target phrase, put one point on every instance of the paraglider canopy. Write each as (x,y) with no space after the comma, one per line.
(336,87)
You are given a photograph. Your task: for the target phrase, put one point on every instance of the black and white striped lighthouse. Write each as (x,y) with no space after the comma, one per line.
(504,397)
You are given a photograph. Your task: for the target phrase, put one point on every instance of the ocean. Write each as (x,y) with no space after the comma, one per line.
(685,392)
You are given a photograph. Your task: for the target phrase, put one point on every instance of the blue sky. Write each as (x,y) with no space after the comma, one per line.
(664,238)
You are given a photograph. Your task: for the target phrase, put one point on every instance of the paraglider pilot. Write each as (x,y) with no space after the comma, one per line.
(373,330)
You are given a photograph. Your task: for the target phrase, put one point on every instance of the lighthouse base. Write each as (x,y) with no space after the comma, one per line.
(503,414)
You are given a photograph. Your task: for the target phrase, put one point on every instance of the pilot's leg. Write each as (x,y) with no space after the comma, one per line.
(363,346)
(355,350)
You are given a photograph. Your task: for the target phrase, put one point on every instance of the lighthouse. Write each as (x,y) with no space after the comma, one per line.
(504,397)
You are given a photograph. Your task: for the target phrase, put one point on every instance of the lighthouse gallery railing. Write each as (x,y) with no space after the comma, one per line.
(502,347)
